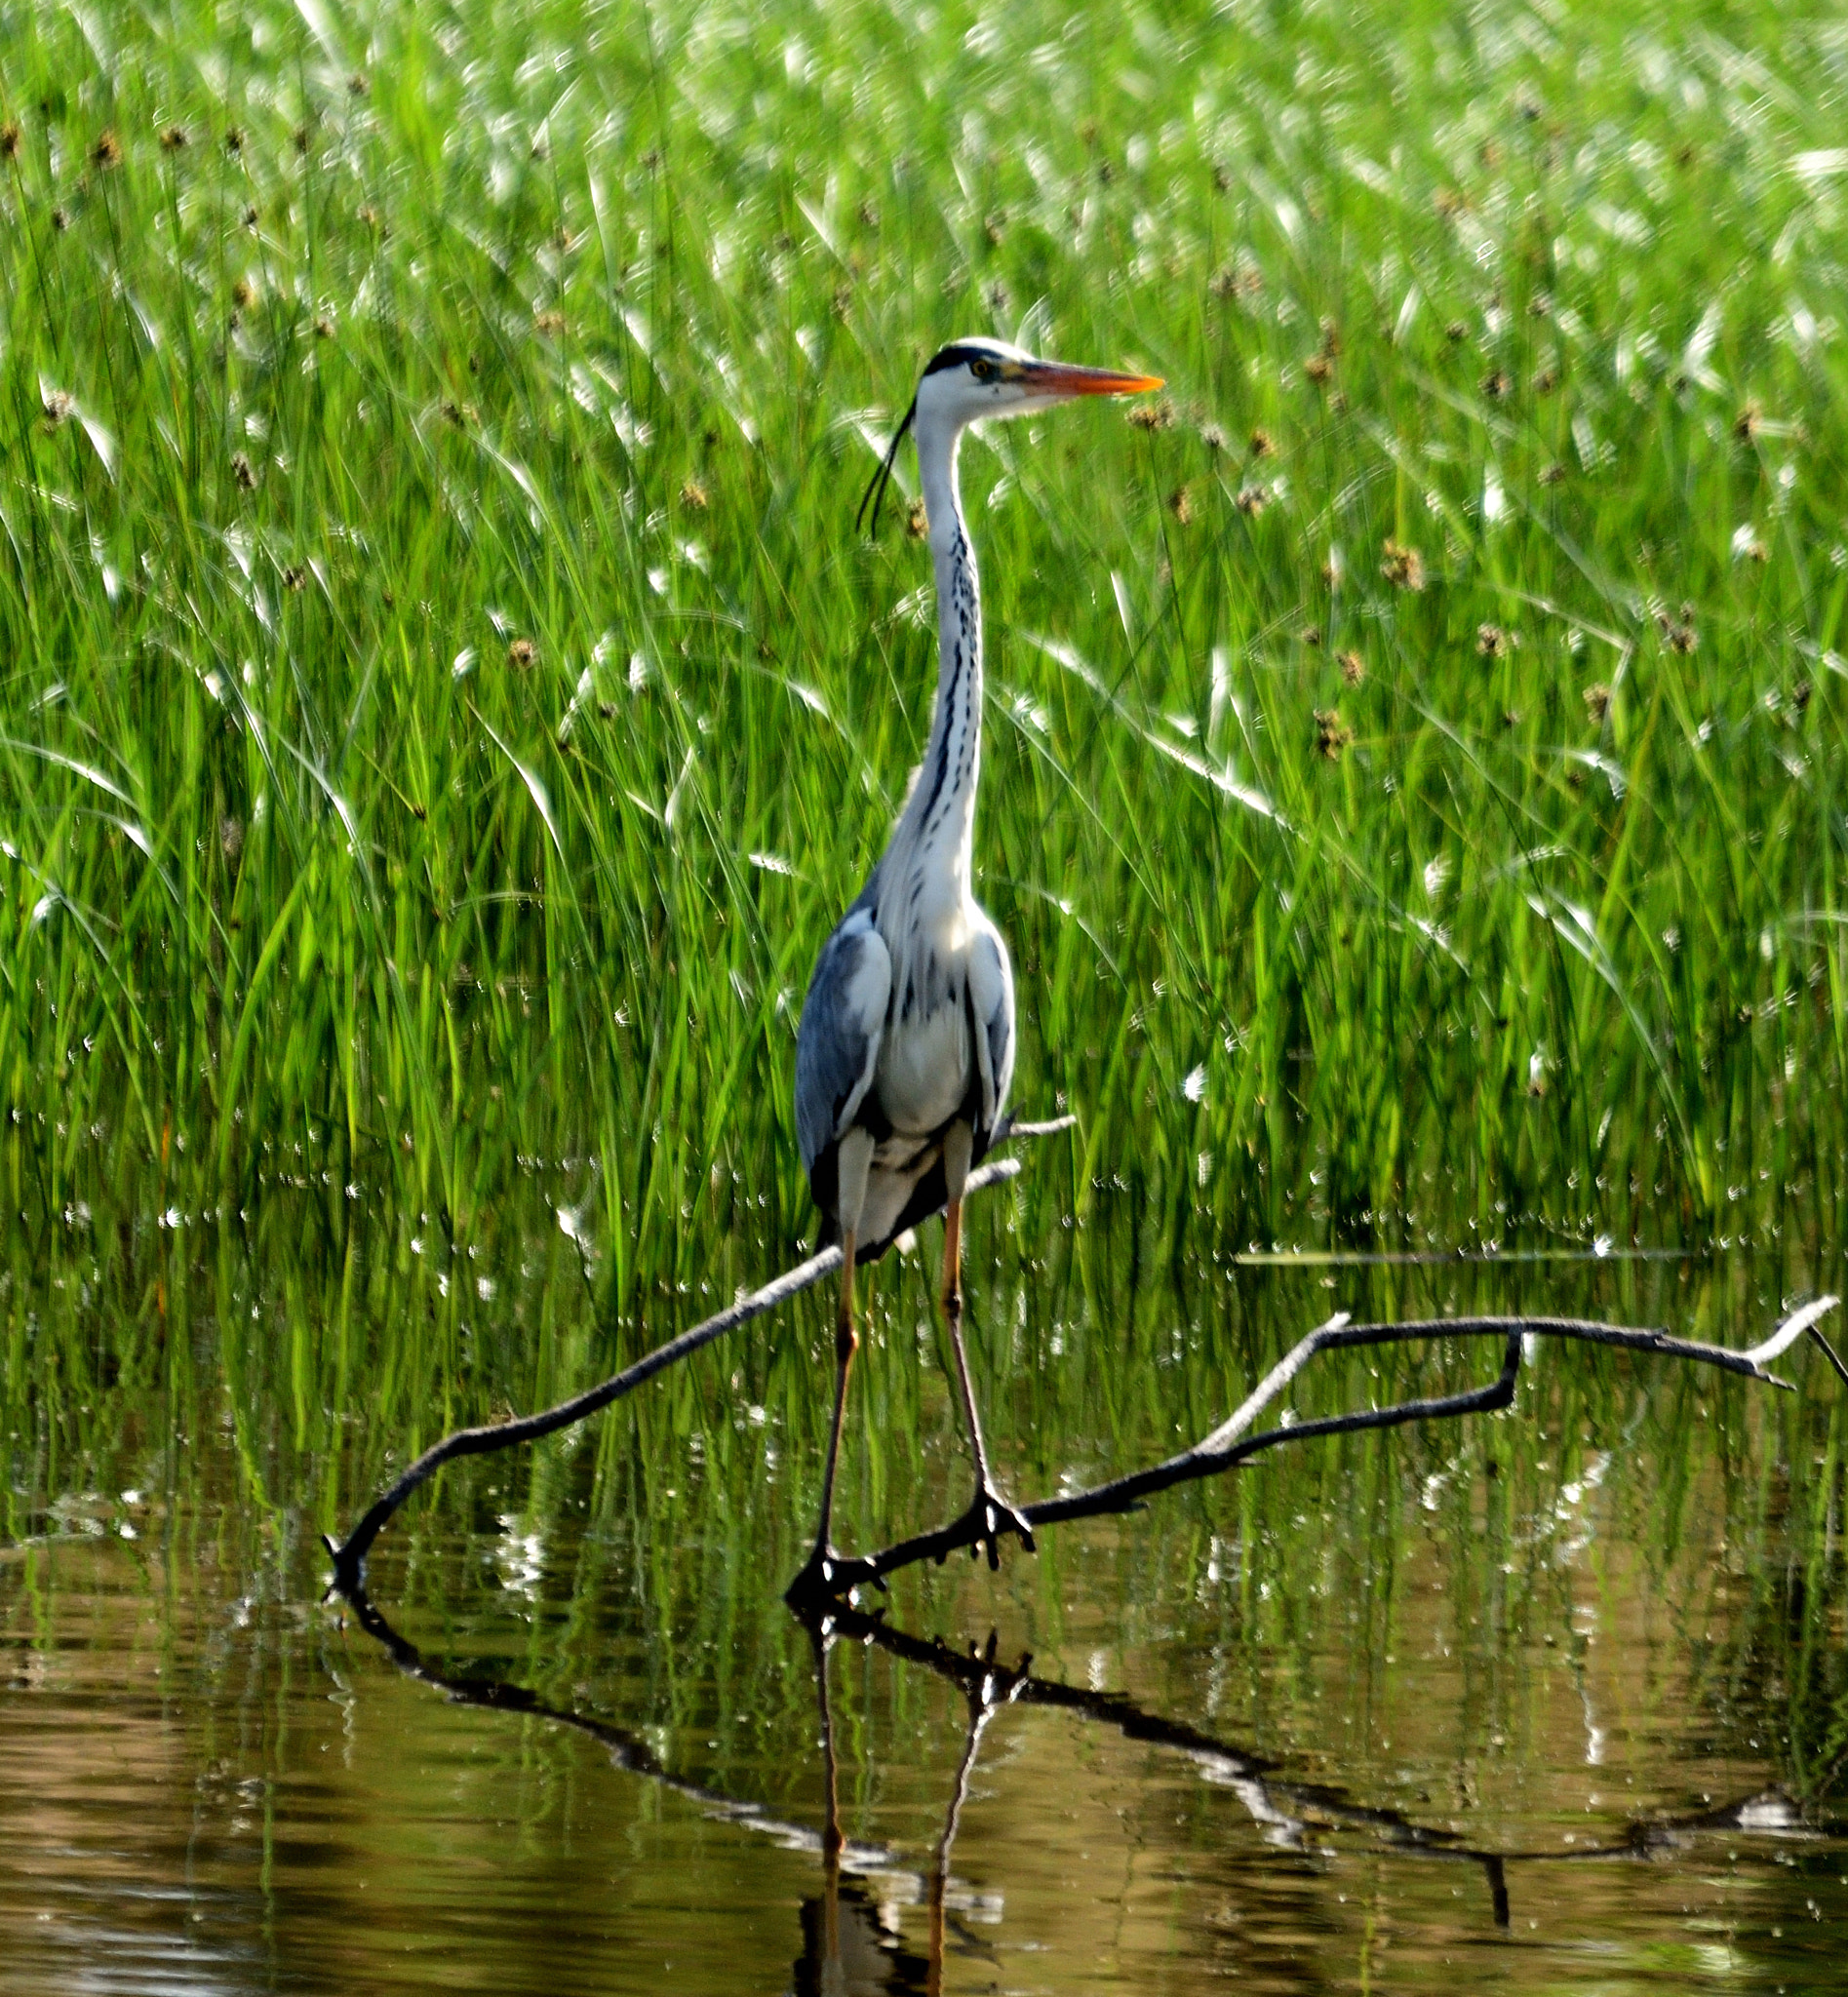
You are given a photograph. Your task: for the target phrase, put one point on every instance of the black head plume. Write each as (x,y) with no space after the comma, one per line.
(875,493)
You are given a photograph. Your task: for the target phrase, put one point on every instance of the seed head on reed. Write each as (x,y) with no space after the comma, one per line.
(1402,567)
(1679,633)
(1332,733)
(107,153)
(173,139)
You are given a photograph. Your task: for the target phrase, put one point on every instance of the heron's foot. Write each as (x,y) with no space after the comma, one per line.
(828,1579)
(990,1515)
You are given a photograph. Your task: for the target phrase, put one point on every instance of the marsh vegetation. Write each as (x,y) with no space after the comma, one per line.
(443,704)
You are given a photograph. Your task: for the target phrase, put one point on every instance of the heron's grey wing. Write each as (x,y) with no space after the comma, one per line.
(838,1042)
(992,1007)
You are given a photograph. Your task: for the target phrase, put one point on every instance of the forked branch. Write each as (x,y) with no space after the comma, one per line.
(1231,1443)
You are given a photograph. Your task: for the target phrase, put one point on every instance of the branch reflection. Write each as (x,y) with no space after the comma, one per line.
(852,1938)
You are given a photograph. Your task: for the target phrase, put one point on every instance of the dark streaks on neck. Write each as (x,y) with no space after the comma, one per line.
(964,648)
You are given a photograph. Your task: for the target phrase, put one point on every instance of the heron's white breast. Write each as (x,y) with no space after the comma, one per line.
(925,1059)
(924,1066)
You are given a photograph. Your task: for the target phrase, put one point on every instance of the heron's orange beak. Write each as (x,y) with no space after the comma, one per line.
(1056,377)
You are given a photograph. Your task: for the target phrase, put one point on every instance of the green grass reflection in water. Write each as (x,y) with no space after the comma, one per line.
(1616,1606)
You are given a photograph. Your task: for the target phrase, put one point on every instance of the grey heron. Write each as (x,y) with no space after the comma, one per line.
(906,1046)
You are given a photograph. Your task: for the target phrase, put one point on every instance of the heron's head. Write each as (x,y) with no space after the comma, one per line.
(974,378)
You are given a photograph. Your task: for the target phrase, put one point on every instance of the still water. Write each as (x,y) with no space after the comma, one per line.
(1546,1700)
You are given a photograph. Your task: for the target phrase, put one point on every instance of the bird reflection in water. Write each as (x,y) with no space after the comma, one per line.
(847,1950)
(851,1946)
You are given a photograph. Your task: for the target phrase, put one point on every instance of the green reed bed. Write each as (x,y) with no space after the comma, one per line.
(443,702)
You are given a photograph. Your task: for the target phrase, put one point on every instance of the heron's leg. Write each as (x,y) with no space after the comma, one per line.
(952,1234)
(824,1576)
(995,1514)
(846,1342)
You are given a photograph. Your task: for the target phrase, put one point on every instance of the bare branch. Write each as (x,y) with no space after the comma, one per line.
(349,1560)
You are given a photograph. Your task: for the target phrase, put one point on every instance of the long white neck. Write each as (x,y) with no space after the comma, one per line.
(938,826)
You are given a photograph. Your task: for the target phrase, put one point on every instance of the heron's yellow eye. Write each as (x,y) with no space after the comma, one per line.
(981,370)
